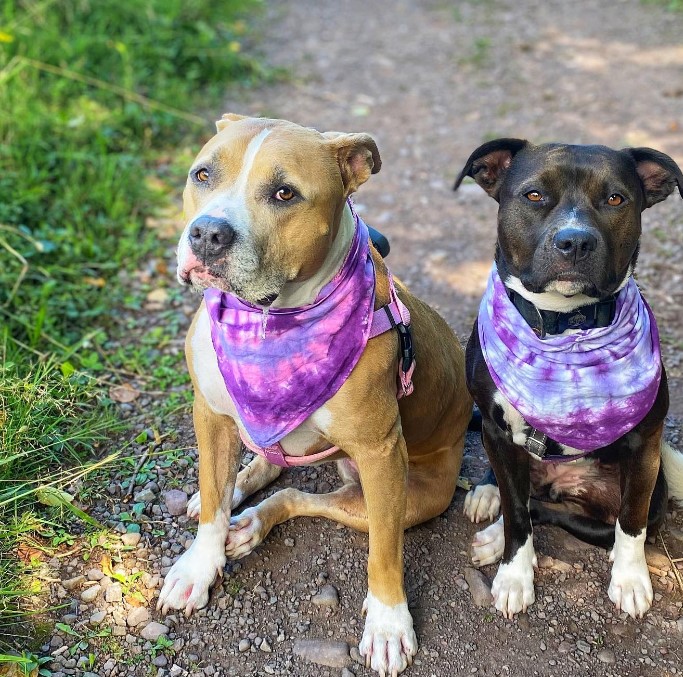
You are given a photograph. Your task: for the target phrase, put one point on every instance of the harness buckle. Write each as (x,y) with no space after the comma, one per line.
(536,443)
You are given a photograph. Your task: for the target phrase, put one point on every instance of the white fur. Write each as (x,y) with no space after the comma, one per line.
(553,299)
(630,587)
(389,641)
(672,465)
(186,585)
(513,586)
(194,505)
(488,545)
(482,503)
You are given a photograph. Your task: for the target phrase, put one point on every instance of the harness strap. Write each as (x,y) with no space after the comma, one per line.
(395,315)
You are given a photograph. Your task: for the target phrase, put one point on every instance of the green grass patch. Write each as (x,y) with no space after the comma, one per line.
(98,99)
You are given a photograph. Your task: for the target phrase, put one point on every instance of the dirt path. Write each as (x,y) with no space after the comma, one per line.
(432,80)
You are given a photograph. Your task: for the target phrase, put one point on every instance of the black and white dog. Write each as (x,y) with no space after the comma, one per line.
(561,293)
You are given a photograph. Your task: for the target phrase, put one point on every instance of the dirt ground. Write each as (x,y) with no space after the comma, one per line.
(431,81)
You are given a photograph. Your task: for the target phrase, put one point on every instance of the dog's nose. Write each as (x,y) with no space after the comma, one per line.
(210,237)
(575,244)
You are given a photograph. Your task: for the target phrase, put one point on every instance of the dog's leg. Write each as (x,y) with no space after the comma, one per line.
(513,586)
(630,587)
(187,584)
(257,475)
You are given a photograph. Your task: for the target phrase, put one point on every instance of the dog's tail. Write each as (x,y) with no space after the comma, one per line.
(672,464)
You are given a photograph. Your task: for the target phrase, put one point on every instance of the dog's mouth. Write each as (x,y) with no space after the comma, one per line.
(571,283)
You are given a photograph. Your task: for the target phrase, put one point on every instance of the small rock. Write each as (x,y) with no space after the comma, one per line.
(328,596)
(679,625)
(606,656)
(563,567)
(131,538)
(90,594)
(144,496)
(113,593)
(265,646)
(160,661)
(153,631)
(656,558)
(73,583)
(480,588)
(565,647)
(545,562)
(289,542)
(583,647)
(244,645)
(356,656)
(94,575)
(176,502)
(347,673)
(323,652)
(137,616)
(97,618)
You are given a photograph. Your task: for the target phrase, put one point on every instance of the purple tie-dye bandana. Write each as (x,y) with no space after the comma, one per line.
(280,365)
(584,390)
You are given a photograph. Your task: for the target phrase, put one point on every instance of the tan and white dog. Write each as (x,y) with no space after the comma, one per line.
(277,250)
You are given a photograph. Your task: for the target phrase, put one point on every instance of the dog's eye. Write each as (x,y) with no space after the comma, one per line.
(202,175)
(534,196)
(284,194)
(615,200)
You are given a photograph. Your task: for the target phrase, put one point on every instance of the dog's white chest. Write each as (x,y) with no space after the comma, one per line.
(210,381)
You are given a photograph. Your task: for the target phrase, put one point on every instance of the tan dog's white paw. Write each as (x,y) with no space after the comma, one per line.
(482,503)
(194,506)
(389,641)
(246,532)
(513,586)
(630,587)
(187,584)
(488,544)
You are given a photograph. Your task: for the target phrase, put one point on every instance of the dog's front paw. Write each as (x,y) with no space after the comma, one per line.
(246,532)
(482,503)
(194,506)
(187,584)
(630,587)
(389,641)
(488,544)
(513,586)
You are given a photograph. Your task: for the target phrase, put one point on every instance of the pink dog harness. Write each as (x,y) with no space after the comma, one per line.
(280,365)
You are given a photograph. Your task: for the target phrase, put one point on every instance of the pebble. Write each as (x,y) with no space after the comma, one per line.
(160,661)
(656,558)
(480,588)
(606,656)
(90,594)
(356,656)
(347,673)
(153,631)
(323,652)
(289,542)
(679,625)
(583,646)
(264,646)
(113,593)
(327,597)
(94,575)
(131,538)
(244,645)
(565,647)
(562,567)
(176,502)
(137,616)
(97,617)
(72,583)
(144,496)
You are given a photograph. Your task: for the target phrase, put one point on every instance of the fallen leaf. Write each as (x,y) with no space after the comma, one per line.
(95,281)
(124,393)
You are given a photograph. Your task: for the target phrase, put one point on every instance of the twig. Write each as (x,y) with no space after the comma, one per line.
(139,465)
(673,563)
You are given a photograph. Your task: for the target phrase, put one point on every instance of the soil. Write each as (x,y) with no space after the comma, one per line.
(431,81)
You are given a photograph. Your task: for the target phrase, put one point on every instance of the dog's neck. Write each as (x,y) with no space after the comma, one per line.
(295,294)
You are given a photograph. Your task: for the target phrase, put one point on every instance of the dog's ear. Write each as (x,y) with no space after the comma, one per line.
(658,173)
(226,119)
(488,164)
(357,156)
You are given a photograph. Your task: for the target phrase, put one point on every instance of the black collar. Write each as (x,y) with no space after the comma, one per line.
(545,322)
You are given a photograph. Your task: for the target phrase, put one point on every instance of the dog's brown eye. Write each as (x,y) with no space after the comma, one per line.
(284,194)
(202,175)
(534,196)
(615,200)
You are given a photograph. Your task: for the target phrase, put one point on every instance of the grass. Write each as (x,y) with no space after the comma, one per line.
(98,96)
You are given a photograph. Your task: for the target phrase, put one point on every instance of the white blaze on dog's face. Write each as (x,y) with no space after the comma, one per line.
(264,200)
